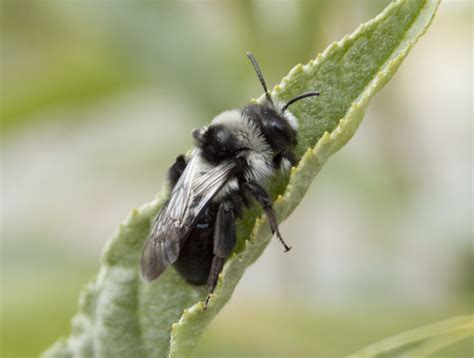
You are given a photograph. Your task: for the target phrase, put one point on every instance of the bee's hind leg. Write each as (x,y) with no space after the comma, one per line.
(175,171)
(224,243)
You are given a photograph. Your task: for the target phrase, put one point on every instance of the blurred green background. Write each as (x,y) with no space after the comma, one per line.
(98,97)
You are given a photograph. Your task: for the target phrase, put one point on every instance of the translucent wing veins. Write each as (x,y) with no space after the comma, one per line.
(194,190)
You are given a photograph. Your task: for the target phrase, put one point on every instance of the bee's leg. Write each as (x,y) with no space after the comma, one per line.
(224,242)
(175,171)
(285,160)
(264,199)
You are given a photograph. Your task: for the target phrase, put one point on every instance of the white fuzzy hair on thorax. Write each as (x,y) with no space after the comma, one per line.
(246,132)
(249,135)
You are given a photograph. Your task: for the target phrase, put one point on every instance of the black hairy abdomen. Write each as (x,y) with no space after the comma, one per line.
(195,258)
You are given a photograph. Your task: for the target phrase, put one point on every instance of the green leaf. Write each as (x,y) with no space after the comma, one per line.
(120,315)
(421,342)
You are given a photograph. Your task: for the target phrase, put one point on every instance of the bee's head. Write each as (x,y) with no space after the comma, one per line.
(262,128)
(277,125)
(278,128)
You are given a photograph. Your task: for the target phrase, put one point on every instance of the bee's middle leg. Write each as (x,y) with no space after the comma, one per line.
(224,242)
(265,201)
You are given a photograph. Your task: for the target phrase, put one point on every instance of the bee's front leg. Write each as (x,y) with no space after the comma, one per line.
(285,160)
(224,243)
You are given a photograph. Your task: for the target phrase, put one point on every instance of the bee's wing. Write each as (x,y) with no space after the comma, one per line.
(192,193)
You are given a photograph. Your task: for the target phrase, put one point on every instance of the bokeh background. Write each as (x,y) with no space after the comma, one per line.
(98,97)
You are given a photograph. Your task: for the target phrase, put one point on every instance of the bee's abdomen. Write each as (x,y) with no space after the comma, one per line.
(195,258)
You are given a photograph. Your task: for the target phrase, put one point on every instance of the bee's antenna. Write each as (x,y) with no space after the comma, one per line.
(260,77)
(297,98)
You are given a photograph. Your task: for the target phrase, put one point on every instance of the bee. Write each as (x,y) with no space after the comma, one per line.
(233,158)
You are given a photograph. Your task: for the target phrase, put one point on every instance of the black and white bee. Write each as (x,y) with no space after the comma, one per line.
(234,157)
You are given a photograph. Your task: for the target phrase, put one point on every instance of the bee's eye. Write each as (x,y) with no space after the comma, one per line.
(278,126)
(279,134)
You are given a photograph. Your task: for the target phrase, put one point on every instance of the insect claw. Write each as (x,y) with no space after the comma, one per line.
(206,302)
(287,248)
